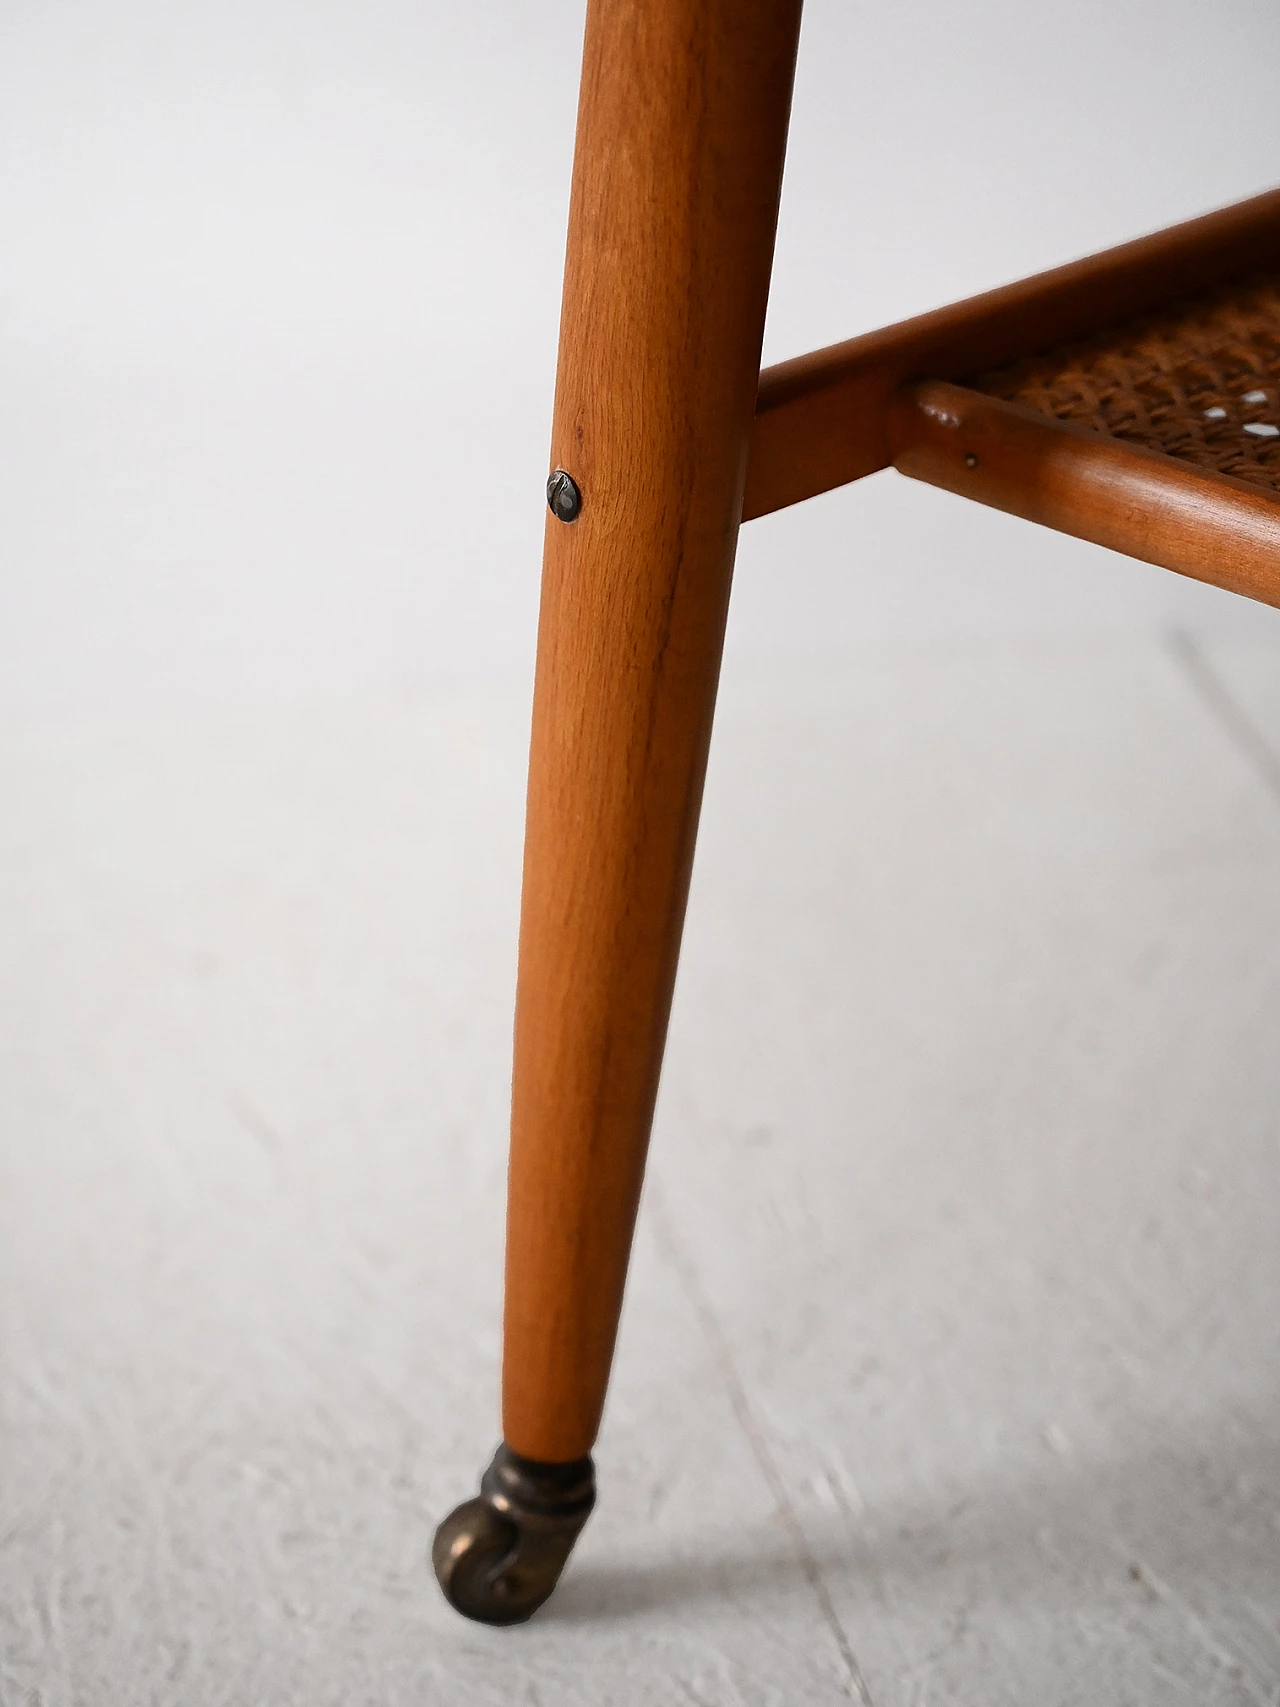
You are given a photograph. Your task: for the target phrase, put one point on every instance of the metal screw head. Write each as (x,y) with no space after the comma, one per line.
(971,460)
(563,496)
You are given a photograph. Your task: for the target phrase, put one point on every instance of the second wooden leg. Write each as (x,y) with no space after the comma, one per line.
(681,134)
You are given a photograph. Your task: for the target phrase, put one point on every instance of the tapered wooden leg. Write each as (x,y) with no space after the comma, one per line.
(681,132)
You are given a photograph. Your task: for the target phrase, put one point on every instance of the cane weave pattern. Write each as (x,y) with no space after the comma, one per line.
(1199,381)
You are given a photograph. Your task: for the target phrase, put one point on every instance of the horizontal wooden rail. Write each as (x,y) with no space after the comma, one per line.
(1209,526)
(821,420)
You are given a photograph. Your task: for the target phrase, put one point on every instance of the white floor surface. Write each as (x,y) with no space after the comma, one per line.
(948,1369)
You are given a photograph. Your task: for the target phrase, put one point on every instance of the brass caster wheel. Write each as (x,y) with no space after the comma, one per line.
(498,1557)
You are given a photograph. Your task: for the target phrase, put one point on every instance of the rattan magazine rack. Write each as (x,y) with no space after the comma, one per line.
(1132,399)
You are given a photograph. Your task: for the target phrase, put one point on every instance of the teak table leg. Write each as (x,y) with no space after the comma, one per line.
(681,133)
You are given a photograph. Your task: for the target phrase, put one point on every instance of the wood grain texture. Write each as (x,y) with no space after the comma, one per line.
(821,419)
(1206,525)
(681,133)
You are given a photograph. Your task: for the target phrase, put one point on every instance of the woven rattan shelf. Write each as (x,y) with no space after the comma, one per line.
(1199,381)
(1158,436)
(1132,399)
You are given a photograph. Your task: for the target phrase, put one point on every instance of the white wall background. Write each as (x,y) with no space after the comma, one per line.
(280,289)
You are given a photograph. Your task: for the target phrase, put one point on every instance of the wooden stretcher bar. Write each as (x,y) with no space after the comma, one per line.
(1139,501)
(823,419)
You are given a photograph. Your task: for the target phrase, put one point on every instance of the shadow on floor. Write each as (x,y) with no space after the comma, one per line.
(1200,1512)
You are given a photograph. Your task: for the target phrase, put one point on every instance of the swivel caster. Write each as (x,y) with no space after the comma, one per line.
(498,1557)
